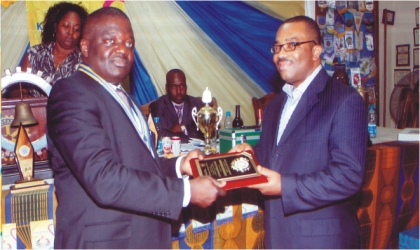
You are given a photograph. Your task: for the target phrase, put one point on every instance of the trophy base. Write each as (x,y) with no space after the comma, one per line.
(29,185)
(31,180)
(209,150)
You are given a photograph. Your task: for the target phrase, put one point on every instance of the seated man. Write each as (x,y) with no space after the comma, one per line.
(174,108)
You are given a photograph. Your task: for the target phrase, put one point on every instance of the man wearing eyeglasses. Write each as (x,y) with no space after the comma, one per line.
(174,108)
(312,148)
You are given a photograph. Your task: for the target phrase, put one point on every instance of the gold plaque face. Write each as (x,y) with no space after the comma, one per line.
(238,169)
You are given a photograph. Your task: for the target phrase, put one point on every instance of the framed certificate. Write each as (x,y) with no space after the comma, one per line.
(399,74)
(389,16)
(237,169)
(403,55)
(416,36)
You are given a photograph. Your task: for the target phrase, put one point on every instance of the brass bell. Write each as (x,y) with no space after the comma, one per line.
(23,114)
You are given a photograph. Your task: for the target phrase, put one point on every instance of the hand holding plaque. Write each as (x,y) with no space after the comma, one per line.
(238,169)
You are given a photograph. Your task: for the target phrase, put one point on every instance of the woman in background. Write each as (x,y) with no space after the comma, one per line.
(58,56)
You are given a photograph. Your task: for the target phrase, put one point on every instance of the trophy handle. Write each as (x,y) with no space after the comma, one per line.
(194,116)
(220,115)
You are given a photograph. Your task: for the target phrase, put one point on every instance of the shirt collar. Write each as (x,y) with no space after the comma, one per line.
(292,93)
(86,69)
(176,104)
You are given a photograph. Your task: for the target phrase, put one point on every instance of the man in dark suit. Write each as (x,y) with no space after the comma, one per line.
(312,147)
(113,190)
(174,108)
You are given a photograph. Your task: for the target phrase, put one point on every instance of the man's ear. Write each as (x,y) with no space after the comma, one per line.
(84,47)
(316,52)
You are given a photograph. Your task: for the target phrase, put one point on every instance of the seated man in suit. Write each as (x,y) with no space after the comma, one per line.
(174,108)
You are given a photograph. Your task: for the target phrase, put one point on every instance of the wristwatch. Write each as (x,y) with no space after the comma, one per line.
(183,128)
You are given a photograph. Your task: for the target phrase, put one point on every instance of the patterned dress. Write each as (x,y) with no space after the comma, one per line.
(41,58)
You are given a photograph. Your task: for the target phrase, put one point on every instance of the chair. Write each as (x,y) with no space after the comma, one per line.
(260,104)
(145,108)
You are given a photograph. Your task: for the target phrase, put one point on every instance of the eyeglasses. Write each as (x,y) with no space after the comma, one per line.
(288,46)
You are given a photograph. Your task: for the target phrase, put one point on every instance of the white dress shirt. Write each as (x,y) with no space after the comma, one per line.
(293,98)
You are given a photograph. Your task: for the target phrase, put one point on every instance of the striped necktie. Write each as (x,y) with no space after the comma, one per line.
(143,126)
(124,96)
(178,108)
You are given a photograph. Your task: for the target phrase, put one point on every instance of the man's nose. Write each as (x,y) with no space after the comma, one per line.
(121,48)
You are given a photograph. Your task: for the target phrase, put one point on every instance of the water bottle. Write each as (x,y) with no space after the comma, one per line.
(372,122)
(228,120)
(159,141)
(237,122)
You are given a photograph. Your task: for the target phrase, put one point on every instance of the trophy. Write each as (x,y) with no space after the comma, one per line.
(24,157)
(207,120)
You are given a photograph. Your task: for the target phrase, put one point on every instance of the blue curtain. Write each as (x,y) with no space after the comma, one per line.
(241,31)
(142,88)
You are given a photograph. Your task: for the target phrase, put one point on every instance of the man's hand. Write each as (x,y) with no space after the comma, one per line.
(273,186)
(241,147)
(185,163)
(177,128)
(204,190)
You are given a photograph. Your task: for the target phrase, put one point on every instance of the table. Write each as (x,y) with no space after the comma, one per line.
(389,194)
(384,134)
(235,221)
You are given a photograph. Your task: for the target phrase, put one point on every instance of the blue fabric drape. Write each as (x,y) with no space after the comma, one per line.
(142,88)
(241,31)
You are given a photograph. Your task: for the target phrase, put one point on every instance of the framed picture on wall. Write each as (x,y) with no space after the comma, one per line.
(400,73)
(417,16)
(390,16)
(416,36)
(416,58)
(403,55)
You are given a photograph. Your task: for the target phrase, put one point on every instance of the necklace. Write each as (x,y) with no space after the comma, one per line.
(58,65)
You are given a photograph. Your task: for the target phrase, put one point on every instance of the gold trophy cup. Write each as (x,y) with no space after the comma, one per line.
(207,120)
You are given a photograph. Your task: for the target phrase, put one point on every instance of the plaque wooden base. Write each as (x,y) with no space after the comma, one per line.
(26,186)
(237,169)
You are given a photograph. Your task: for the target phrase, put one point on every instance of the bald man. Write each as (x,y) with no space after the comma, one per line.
(174,108)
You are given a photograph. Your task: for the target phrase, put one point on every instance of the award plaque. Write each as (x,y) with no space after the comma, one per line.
(237,169)
(24,156)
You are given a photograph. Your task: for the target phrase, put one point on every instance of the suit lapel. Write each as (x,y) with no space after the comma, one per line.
(278,101)
(187,106)
(306,103)
(172,116)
